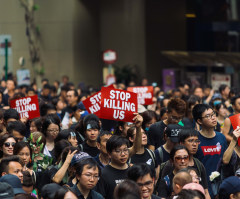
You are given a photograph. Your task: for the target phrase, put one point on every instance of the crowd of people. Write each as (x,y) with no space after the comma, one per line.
(183,146)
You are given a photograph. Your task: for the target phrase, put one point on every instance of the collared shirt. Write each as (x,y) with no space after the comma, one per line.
(92,194)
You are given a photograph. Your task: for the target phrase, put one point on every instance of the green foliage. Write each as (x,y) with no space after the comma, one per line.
(35,7)
(125,74)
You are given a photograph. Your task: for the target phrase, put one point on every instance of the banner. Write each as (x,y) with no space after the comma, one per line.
(93,104)
(144,94)
(118,104)
(235,121)
(26,106)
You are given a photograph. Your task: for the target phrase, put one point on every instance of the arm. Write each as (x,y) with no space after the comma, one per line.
(228,153)
(138,140)
(151,147)
(57,178)
(209,97)
(226,128)
(207,196)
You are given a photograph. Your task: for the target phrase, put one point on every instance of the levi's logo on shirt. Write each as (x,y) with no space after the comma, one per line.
(212,150)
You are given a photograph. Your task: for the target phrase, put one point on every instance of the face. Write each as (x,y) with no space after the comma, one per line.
(18,136)
(191,143)
(119,156)
(181,159)
(198,92)
(177,94)
(195,177)
(92,134)
(209,119)
(71,98)
(73,140)
(174,117)
(52,131)
(165,102)
(226,91)
(30,93)
(33,127)
(146,184)
(10,85)
(236,106)
(70,195)
(222,111)
(8,147)
(88,178)
(102,144)
(15,168)
(24,154)
(60,105)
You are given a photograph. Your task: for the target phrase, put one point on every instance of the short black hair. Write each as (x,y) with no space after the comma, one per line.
(102,133)
(175,149)
(10,113)
(222,87)
(19,146)
(115,142)
(17,126)
(178,105)
(139,170)
(90,163)
(5,162)
(186,133)
(199,109)
(74,92)
(28,179)
(50,119)
(62,192)
(233,100)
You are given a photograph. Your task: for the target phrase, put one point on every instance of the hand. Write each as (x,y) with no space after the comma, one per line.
(138,119)
(24,120)
(211,92)
(236,134)
(70,156)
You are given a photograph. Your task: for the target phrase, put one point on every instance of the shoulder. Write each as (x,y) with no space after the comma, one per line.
(155,197)
(96,195)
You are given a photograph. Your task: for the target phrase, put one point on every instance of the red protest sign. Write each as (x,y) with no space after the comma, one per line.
(235,121)
(93,103)
(26,106)
(145,94)
(118,104)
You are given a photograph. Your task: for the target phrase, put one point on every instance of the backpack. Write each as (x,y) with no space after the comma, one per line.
(152,155)
(160,151)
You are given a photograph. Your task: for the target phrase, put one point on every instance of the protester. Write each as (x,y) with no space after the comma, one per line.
(65,193)
(17,129)
(7,143)
(230,188)
(180,179)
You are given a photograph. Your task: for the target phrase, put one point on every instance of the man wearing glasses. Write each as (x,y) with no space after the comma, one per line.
(176,109)
(189,138)
(212,144)
(143,175)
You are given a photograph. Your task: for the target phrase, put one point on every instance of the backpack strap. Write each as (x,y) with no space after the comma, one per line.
(198,164)
(151,153)
(160,151)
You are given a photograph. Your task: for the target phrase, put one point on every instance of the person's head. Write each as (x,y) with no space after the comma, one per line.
(235,101)
(163,113)
(198,91)
(30,92)
(69,135)
(206,90)
(46,90)
(7,143)
(190,194)
(6,191)
(102,139)
(28,182)
(204,115)
(180,179)
(72,97)
(179,156)
(51,126)
(36,124)
(92,129)
(10,85)
(176,93)
(195,187)
(65,193)
(24,151)
(189,138)
(87,173)
(191,102)
(131,135)
(17,129)
(40,137)
(121,128)
(128,189)
(48,191)
(224,90)
(149,118)
(176,109)
(117,149)
(172,134)
(230,188)
(65,79)
(221,110)
(143,175)
(11,165)
(59,147)
(10,115)
(194,173)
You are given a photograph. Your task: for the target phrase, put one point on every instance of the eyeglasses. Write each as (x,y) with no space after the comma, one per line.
(8,144)
(119,152)
(147,184)
(53,130)
(179,158)
(176,118)
(91,176)
(210,116)
(191,141)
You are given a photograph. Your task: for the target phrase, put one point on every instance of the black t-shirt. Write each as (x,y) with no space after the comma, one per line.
(165,155)
(155,134)
(92,151)
(165,188)
(144,158)
(109,179)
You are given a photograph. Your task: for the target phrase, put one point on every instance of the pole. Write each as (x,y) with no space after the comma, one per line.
(6,59)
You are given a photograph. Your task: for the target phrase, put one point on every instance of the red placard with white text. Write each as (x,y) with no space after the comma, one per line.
(235,121)
(93,103)
(26,107)
(118,104)
(145,94)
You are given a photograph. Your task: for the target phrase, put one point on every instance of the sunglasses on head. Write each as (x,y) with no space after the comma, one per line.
(8,144)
